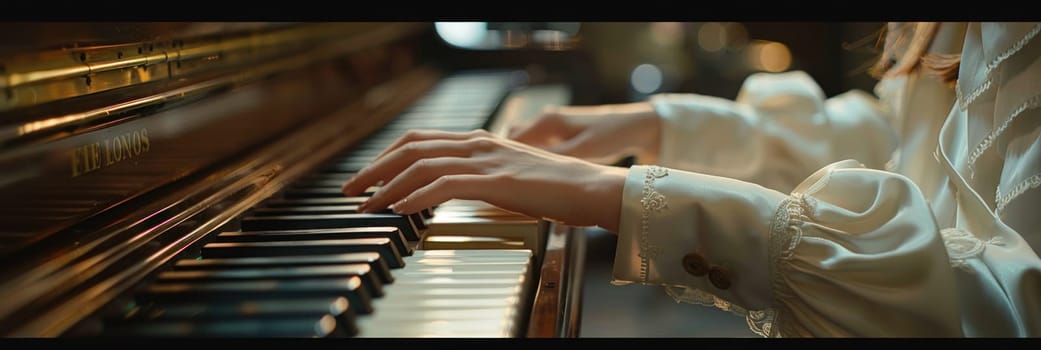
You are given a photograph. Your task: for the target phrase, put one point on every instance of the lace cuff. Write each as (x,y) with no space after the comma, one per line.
(652,202)
(669,215)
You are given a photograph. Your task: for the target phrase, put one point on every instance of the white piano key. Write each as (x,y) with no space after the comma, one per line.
(449,303)
(436,328)
(454,293)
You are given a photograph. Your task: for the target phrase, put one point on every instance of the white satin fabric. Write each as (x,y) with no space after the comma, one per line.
(910,215)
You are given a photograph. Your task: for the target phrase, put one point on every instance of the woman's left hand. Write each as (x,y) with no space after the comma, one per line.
(425,168)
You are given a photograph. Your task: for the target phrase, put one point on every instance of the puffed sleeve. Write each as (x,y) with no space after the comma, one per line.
(851,251)
(778,130)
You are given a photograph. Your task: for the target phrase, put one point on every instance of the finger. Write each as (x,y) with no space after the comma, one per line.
(419,174)
(387,167)
(423,135)
(461,186)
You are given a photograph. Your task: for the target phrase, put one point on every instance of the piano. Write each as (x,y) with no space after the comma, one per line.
(182,179)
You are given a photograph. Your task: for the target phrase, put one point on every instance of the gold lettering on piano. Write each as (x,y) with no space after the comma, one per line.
(94,156)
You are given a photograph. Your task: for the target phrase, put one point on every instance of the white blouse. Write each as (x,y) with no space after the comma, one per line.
(912,214)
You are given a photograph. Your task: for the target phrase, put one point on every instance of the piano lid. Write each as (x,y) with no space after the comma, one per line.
(87,121)
(93,115)
(122,149)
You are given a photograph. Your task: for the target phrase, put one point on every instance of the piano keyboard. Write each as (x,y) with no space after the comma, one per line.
(305,263)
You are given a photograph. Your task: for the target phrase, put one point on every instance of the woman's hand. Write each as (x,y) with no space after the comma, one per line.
(602,134)
(426,168)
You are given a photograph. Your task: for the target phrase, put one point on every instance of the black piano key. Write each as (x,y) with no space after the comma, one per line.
(355,155)
(417,218)
(382,246)
(312,192)
(323,182)
(378,266)
(305,202)
(306,210)
(321,192)
(374,146)
(301,202)
(298,222)
(315,326)
(351,288)
(315,176)
(313,185)
(347,167)
(393,233)
(369,280)
(362,153)
(337,307)
(382,139)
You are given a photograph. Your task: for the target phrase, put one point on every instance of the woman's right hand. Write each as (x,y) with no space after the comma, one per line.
(602,134)
(425,168)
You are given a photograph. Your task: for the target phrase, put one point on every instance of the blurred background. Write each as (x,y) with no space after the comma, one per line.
(626,61)
(614,62)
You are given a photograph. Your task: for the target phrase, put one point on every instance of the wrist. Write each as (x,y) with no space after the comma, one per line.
(606,195)
(647,126)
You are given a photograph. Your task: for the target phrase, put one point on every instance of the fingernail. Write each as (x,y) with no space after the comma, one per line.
(361,207)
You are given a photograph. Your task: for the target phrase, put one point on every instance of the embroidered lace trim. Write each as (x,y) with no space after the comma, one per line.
(760,322)
(964,100)
(967,99)
(785,235)
(962,246)
(1033,102)
(652,202)
(1003,200)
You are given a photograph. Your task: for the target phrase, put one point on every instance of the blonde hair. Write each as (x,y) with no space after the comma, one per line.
(913,38)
